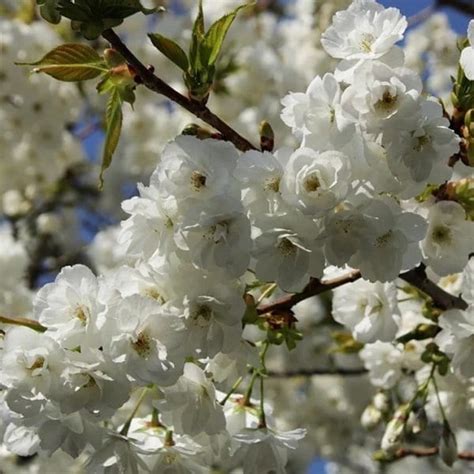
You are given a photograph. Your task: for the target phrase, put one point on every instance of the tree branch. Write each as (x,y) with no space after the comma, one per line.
(311,372)
(463,7)
(155,84)
(29,323)
(313,288)
(416,277)
(441,299)
(425,452)
(422,15)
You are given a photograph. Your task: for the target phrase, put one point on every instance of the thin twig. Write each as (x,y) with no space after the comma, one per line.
(25,322)
(422,15)
(155,84)
(313,288)
(463,7)
(311,372)
(441,299)
(425,452)
(416,277)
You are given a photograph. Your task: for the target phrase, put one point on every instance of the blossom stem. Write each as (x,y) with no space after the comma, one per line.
(422,391)
(441,409)
(29,323)
(155,84)
(248,393)
(262,419)
(126,426)
(231,391)
(262,422)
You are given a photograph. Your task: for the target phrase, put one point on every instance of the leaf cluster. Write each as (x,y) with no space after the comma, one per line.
(91,17)
(75,62)
(199,65)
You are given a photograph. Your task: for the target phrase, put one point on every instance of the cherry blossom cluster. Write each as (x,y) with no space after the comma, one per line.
(160,363)
(35,114)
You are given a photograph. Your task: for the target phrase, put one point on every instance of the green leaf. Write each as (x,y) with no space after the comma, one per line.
(204,51)
(71,63)
(198,27)
(83,10)
(113,121)
(48,10)
(95,16)
(196,39)
(171,50)
(214,38)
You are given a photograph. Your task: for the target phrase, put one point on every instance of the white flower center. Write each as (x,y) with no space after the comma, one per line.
(384,239)
(441,234)
(37,364)
(81,313)
(154,294)
(170,458)
(198,180)
(387,102)
(202,315)
(312,183)
(421,142)
(218,232)
(142,344)
(366,42)
(272,184)
(287,247)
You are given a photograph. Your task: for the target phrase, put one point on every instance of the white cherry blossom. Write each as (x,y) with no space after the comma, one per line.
(366,30)
(316,182)
(448,242)
(467,54)
(69,307)
(191,406)
(287,250)
(316,115)
(370,310)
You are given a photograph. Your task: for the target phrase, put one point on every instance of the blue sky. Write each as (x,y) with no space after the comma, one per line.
(458,20)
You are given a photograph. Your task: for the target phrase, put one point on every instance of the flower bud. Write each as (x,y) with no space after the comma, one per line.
(197,131)
(267,136)
(448,448)
(370,417)
(418,421)
(395,428)
(113,58)
(380,402)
